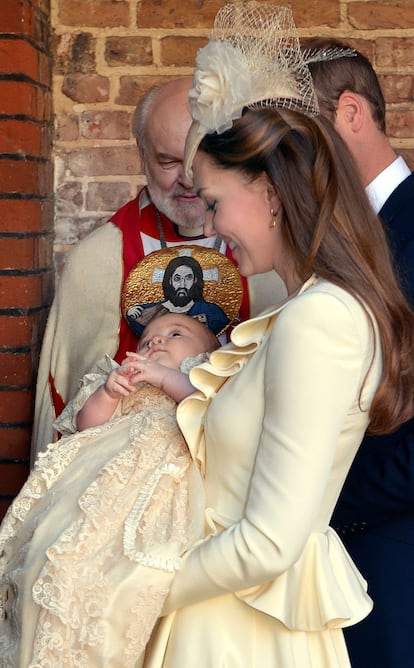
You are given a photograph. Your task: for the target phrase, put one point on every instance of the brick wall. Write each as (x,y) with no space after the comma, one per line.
(26,224)
(106,54)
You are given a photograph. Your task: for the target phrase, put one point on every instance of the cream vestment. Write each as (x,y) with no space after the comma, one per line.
(274,425)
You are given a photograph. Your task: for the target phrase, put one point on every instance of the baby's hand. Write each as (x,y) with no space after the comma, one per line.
(122,381)
(144,369)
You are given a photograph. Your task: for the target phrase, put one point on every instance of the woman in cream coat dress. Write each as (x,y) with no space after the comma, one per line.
(279,412)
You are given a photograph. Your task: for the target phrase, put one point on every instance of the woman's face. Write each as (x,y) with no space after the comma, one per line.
(239,212)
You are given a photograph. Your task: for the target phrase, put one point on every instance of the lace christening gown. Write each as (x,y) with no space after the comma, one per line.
(89,547)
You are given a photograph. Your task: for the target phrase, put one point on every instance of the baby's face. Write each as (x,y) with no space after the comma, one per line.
(170,338)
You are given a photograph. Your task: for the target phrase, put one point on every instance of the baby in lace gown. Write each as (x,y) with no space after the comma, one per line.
(89,547)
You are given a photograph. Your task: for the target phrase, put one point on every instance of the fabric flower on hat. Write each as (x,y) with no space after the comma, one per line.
(222,84)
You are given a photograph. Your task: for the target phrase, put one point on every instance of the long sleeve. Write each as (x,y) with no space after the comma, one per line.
(66,422)
(316,357)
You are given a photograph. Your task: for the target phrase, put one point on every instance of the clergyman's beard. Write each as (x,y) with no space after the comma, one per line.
(190,215)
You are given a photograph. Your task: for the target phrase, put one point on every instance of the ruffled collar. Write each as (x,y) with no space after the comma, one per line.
(224,363)
(250,331)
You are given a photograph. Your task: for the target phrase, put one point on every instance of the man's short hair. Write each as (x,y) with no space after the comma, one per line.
(348,73)
(141,113)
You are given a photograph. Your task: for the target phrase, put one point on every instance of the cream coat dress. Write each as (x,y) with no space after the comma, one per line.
(274,425)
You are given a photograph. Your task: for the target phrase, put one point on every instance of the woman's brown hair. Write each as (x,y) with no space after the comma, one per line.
(331,230)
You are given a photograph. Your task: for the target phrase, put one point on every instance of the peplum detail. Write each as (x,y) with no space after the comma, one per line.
(322,590)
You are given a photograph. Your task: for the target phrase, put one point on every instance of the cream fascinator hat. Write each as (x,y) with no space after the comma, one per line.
(253,60)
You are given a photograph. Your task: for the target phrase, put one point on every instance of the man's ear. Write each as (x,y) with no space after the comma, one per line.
(350,112)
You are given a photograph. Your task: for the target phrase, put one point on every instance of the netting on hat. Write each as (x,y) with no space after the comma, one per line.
(254,59)
(267,38)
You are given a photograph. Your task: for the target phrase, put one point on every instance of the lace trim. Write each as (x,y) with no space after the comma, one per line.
(134,519)
(107,574)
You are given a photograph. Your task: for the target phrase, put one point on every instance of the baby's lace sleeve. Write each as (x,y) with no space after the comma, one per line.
(189,363)
(66,422)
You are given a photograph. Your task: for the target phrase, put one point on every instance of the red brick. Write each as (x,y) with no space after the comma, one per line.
(99,13)
(181,51)
(86,88)
(311,13)
(15,369)
(47,286)
(16,406)
(21,17)
(101,161)
(107,196)
(4,504)
(69,197)
(408,155)
(173,14)
(45,173)
(19,57)
(17,16)
(365,46)
(67,127)
(400,124)
(20,97)
(45,105)
(17,253)
(105,125)
(24,253)
(43,5)
(20,291)
(24,176)
(128,51)
(394,53)
(70,229)
(397,88)
(376,15)
(20,215)
(15,442)
(22,137)
(43,253)
(131,88)
(12,477)
(74,53)
(45,69)
(16,331)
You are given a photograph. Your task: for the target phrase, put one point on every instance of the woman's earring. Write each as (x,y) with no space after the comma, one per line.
(273,213)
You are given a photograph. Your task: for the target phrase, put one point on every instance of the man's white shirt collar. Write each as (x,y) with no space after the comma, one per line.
(386,182)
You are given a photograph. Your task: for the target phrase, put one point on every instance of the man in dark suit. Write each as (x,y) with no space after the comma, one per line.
(375,512)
